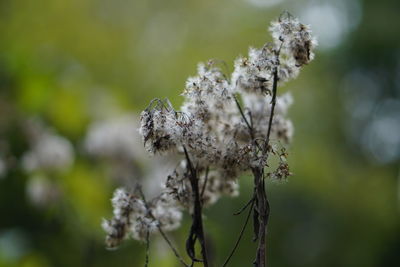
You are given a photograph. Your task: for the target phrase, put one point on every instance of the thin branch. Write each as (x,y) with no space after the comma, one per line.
(244,118)
(273,100)
(175,251)
(146,263)
(251,118)
(240,235)
(205,182)
(273,104)
(171,246)
(248,124)
(245,206)
(190,165)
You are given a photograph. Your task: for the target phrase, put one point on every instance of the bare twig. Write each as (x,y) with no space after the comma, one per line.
(146,263)
(273,104)
(205,182)
(175,251)
(244,118)
(196,230)
(172,247)
(248,124)
(245,206)
(241,233)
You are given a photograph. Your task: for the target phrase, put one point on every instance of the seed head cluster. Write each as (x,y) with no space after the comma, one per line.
(48,151)
(222,126)
(135,218)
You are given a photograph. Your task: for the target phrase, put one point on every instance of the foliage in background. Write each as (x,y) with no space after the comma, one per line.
(71,63)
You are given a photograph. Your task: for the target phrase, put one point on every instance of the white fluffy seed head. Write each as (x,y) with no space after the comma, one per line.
(295,38)
(116,138)
(213,128)
(48,152)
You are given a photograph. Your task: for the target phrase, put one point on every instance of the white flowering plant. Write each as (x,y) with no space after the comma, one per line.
(225,126)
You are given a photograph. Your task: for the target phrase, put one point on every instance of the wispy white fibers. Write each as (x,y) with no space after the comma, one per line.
(212,129)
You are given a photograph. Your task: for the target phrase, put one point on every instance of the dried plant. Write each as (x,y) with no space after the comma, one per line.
(224,128)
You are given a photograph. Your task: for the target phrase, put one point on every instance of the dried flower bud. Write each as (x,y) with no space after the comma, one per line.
(282,171)
(162,128)
(295,38)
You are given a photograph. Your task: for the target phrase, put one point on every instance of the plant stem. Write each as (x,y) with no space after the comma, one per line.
(262,203)
(196,231)
(273,104)
(198,215)
(262,208)
(147,248)
(241,232)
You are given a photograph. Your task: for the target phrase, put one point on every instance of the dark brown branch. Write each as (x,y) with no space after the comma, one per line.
(244,118)
(251,119)
(205,182)
(262,208)
(245,206)
(259,202)
(273,104)
(248,124)
(146,263)
(196,230)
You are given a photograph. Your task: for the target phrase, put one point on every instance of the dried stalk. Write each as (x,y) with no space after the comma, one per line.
(259,202)
(196,230)
(262,203)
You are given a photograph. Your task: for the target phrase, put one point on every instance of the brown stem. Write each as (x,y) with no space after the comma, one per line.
(262,203)
(262,208)
(249,125)
(244,118)
(273,104)
(196,231)
(146,263)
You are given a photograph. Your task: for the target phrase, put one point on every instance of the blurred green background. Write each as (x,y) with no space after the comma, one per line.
(70,63)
